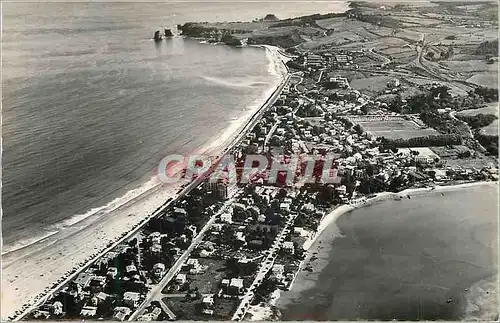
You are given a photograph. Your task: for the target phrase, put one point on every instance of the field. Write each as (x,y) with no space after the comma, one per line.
(490,130)
(488,79)
(395,129)
(490,109)
(371,85)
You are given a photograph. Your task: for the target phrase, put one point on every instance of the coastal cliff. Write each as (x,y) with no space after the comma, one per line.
(269,30)
(283,37)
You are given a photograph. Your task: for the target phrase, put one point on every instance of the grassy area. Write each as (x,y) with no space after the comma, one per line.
(208,281)
(490,130)
(489,109)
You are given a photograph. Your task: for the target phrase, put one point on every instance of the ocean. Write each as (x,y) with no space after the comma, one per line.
(91,104)
(431,257)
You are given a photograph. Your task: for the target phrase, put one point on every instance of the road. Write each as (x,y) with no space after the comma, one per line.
(266,265)
(167,310)
(155,293)
(419,62)
(250,124)
(381,57)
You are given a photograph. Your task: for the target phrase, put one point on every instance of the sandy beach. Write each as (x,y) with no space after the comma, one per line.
(313,245)
(313,292)
(31,270)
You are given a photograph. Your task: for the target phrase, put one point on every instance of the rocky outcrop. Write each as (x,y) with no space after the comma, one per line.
(192,29)
(230,40)
(157,36)
(168,33)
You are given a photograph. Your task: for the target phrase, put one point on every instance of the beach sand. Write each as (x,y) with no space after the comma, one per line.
(30,271)
(408,259)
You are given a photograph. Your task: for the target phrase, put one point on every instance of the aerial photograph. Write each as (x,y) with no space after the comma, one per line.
(249,160)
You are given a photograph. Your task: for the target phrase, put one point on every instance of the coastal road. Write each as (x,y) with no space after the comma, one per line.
(42,298)
(155,293)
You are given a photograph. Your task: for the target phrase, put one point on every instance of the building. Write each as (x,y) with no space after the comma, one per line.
(225,285)
(180,279)
(422,155)
(131,269)
(120,313)
(339,82)
(57,308)
(112,272)
(208,300)
(288,247)
(88,311)
(236,286)
(218,189)
(313,60)
(84,279)
(158,269)
(132,299)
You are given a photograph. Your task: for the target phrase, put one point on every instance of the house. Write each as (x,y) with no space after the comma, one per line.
(239,235)
(180,279)
(41,315)
(88,311)
(132,299)
(235,286)
(152,316)
(84,279)
(278,270)
(57,308)
(208,301)
(131,269)
(178,211)
(97,283)
(288,247)
(155,237)
(225,285)
(285,207)
(313,60)
(155,249)
(102,297)
(226,217)
(159,269)
(121,312)
(112,272)
(191,230)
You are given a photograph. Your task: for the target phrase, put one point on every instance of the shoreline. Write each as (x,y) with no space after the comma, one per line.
(265,311)
(216,146)
(84,240)
(384,196)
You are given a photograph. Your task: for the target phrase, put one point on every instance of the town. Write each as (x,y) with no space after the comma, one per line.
(225,248)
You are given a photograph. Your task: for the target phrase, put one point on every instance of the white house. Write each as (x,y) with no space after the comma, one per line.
(132,299)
